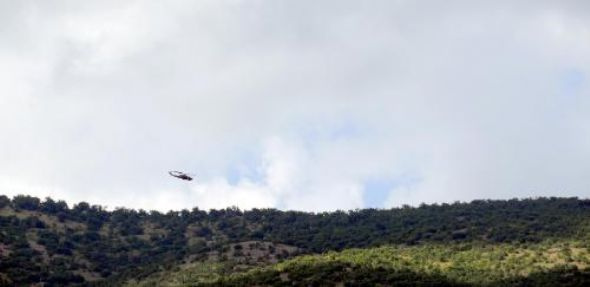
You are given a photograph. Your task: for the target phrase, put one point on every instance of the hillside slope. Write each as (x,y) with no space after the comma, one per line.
(564,263)
(47,241)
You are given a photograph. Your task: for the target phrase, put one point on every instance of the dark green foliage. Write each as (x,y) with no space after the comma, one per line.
(124,243)
(4,201)
(330,274)
(350,275)
(25,202)
(562,276)
(51,207)
(495,221)
(428,265)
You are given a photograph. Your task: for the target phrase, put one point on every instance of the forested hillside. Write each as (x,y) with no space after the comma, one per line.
(561,263)
(48,241)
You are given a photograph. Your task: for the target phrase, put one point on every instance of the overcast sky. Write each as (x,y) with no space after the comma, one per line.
(306,105)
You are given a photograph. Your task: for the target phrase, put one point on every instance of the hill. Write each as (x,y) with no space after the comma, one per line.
(49,242)
(562,263)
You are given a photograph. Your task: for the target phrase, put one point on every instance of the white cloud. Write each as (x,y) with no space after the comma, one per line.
(288,181)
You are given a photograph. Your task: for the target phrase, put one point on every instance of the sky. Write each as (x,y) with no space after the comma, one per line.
(295,105)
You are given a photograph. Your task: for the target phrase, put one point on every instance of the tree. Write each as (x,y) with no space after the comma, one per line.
(26,202)
(4,201)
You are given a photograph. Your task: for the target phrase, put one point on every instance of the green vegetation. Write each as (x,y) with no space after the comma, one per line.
(49,242)
(186,274)
(462,264)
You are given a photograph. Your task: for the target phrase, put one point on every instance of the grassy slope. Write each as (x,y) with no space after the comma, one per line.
(557,262)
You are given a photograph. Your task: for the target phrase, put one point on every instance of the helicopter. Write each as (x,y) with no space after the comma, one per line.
(180,175)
